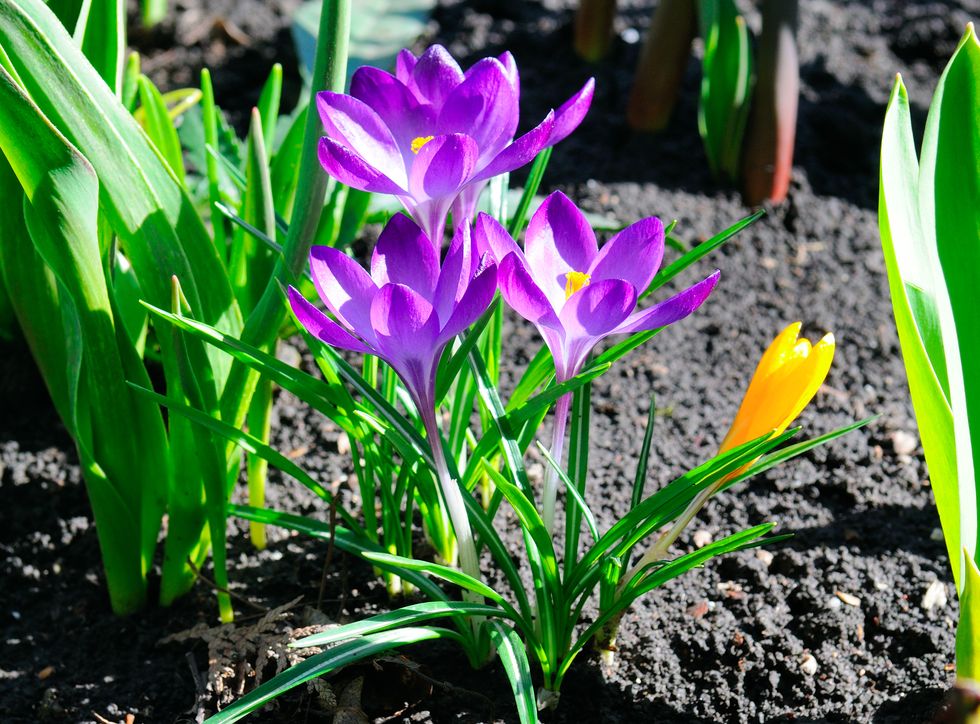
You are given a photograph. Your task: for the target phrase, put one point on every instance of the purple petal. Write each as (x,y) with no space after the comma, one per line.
(436,74)
(598,309)
(404,65)
(521,152)
(394,104)
(321,326)
(634,254)
(354,125)
(490,237)
(559,240)
(523,295)
(407,332)
(345,288)
(671,310)
(571,113)
(474,302)
(347,167)
(510,67)
(483,107)
(457,269)
(442,166)
(404,255)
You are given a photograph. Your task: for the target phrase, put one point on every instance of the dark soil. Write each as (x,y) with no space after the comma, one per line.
(726,643)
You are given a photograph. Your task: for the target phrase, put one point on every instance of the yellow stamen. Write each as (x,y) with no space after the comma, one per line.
(417,143)
(788,376)
(575,281)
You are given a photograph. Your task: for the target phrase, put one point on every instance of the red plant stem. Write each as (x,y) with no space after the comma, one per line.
(663,59)
(767,161)
(593,28)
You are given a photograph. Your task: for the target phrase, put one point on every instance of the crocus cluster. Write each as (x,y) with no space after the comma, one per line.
(433,135)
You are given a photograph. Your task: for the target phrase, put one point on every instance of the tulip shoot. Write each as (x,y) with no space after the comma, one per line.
(663,61)
(767,158)
(928,207)
(594,28)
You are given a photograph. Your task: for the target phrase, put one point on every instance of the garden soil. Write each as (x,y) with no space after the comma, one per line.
(834,624)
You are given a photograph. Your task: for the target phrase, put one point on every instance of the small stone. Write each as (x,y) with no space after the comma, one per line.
(882,585)
(935,596)
(630,36)
(848,598)
(702,538)
(808,665)
(764,556)
(833,603)
(343,443)
(936,535)
(45,673)
(904,442)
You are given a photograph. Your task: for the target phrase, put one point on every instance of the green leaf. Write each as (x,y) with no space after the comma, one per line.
(285,165)
(700,251)
(513,657)
(154,218)
(209,137)
(349,541)
(160,127)
(578,466)
(250,444)
(725,84)
(268,106)
(61,213)
(446,573)
(101,32)
(127,294)
(534,178)
(152,12)
(968,629)
(34,296)
(341,655)
(309,389)
(251,264)
(580,506)
(663,506)
(659,575)
(405,616)
(912,266)
(949,208)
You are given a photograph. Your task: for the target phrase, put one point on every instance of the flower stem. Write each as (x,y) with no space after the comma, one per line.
(452,497)
(659,549)
(550,493)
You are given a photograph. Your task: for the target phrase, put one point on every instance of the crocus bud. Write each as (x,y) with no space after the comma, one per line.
(785,380)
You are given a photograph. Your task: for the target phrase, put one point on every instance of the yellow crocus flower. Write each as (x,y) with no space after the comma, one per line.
(785,380)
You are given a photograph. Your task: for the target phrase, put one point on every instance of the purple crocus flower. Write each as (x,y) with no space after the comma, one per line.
(407,309)
(405,312)
(433,135)
(577,294)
